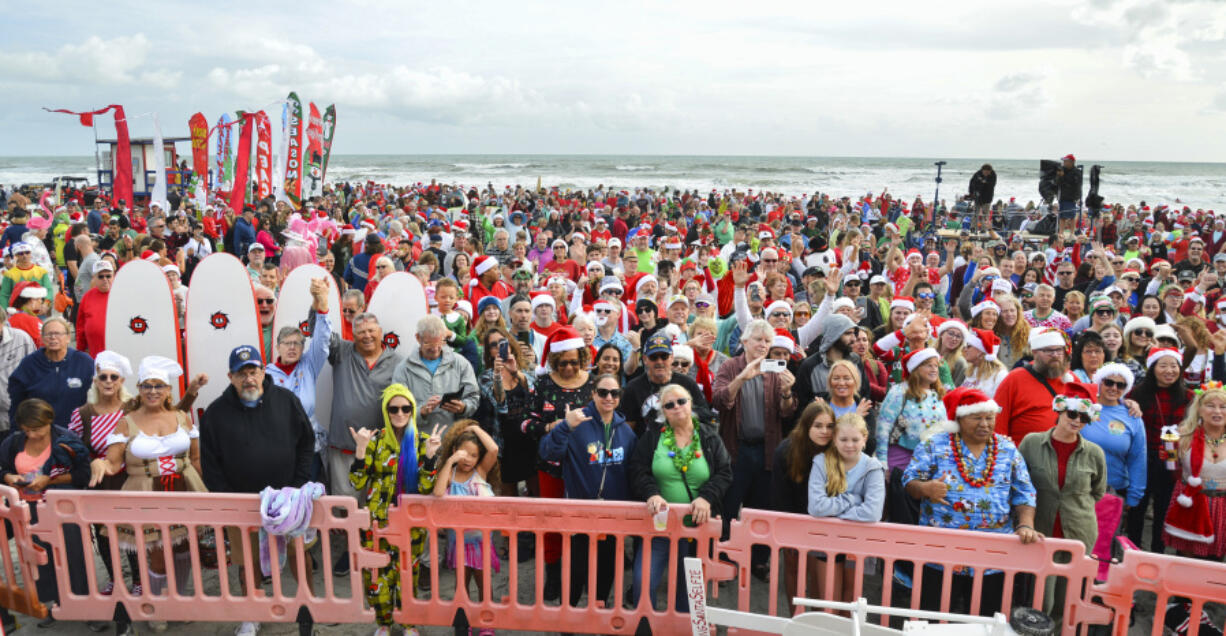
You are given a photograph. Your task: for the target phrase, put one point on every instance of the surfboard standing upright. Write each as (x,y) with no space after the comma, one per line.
(294,310)
(141,319)
(221,315)
(399,302)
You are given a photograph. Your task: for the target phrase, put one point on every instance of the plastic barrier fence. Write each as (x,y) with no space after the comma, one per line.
(17,590)
(888,564)
(195,588)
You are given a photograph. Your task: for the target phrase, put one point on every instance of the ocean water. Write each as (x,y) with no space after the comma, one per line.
(1193,184)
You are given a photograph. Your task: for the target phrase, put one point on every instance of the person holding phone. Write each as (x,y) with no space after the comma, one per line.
(752,408)
(436,371)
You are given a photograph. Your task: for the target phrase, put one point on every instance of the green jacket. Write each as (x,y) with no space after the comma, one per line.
(1085,481)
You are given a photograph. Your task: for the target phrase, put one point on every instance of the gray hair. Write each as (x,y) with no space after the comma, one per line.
(1044,287)
(287,332)
(431,327)
(365,316)
(354,294)
(502,232)
(67,325)
(257,288)
(759,326)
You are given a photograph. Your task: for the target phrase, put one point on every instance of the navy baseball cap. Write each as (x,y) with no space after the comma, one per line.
(658,343)
(243,356)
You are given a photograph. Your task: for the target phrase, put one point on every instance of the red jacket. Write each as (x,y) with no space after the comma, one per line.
(91,322)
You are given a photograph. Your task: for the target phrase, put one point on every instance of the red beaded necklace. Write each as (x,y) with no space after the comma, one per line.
(961,464)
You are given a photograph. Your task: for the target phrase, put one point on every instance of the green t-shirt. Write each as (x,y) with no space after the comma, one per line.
(669,479)
(904,226)
(647,263)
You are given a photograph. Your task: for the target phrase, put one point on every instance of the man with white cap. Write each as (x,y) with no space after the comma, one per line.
(1026,393)
(255,262)
(91,309)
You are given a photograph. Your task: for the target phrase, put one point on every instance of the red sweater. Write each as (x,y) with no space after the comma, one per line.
(91,322)
(1025,405)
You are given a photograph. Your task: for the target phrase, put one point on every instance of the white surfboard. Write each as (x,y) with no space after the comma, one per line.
(221,315)
(293,309)
(141,319)
(399,302)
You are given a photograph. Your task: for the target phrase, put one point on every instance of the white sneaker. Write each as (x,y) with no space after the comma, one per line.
(247,629)
(383,630)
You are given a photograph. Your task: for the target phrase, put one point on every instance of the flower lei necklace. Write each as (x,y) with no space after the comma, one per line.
(681,458)
(959,460)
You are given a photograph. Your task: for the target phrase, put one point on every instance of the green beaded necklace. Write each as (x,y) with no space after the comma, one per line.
(681,458)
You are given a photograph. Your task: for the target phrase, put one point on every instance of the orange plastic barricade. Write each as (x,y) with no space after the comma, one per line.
(195,520)
(1167,578)
(508,517)
(17,591)
(897,548)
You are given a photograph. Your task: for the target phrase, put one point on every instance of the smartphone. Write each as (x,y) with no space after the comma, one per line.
(504,350)
(774,366)
(754,295)
(453,396)
(524,337)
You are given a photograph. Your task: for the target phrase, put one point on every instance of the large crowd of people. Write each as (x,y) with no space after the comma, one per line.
(863,358)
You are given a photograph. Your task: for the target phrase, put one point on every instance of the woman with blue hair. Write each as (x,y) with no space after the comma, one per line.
(387,462)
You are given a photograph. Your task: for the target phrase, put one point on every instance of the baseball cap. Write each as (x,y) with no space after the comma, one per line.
(878,279)
(657,343)
(245,355)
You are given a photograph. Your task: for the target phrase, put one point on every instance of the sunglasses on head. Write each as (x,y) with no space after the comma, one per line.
(394,410)
(668,406)
(1115,384)
(609,393)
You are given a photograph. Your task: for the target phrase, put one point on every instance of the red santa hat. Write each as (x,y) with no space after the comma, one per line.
(905,302)
(913,360)
(964,401)
(914,252)
(783,339)
(542,297)
(1159,353)
(943,325)
(1189,520)
(1044,337)
(564,338)
(985,341)
(483,264)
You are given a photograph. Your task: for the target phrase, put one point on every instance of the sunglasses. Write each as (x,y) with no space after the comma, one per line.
(152,388)
(702,304)
(609,393)
(656,357)
(1104,312)
(1144,333)
(668,406)
(108,377)
(803,313)
(1064,273)
(988,279)
(926,296)
(567,363)
(680,364)
(1083,417)
(265,301)
(770,260)
(1115,384)
(395,410)
(781,314)
(613,292)
(604,311)
(1129,279)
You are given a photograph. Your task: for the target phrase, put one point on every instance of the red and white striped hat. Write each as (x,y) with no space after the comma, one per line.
(985,341)
(483,264)
(783,339)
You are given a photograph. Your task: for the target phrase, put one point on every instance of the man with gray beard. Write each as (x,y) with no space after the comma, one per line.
(256,434)
(1025,394)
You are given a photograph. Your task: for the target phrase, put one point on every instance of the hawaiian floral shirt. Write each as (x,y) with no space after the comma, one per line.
(986,509)
(902,421)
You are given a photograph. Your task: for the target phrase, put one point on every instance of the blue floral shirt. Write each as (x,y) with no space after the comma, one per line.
(986,509)
(902,421)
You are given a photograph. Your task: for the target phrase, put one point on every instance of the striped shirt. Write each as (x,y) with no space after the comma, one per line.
(100,427)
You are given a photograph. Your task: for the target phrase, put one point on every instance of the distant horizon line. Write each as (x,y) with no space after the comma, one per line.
(661,155)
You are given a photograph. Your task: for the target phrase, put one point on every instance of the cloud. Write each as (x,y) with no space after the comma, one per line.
(1163,40)
(1016,96)
(95,61)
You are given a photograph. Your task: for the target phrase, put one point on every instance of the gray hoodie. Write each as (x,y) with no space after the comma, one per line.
(864,498)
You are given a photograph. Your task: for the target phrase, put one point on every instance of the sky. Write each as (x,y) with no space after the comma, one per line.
(1112,79)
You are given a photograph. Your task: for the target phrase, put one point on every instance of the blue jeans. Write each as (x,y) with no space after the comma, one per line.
(659,563)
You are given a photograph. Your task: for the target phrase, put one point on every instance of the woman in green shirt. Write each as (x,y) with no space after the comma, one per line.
(679,462)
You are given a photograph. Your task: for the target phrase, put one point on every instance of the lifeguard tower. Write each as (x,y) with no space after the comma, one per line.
(143,174)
